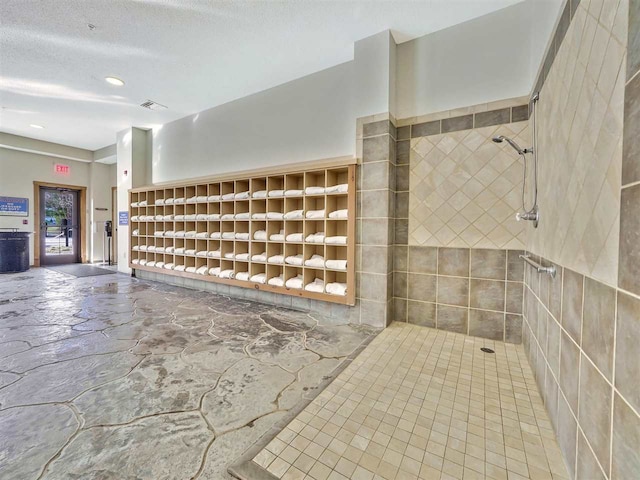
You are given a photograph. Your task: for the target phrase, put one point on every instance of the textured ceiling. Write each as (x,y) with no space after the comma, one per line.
(187,55)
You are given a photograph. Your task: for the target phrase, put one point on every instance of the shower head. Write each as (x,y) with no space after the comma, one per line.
(516,147)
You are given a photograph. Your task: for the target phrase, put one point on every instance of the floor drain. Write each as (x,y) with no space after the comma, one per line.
(487,350)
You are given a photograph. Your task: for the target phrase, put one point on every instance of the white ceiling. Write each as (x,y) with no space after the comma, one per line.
(187,55)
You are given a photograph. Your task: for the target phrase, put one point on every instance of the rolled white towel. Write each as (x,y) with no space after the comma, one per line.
(170,249)
(315,214)
(275,215)
(135,232)
(214,254)
(143,261)
(342,188)
(228,196)
(213,216)
(260,194)
(151,248)
(179,250)
(190,234)
(203,270)
(135,218)
(160,249)
(179,218)
(201,216)
(243,236)
(190,251)
(193,199)
(295,259)
(242,195)
(227,216)
(202,253)
(294,215)
(316,261)
(135,261)
(134,204)
(336,264)
(295,237)
(260,235)
(202,235)
(229,255)
(316,286)
(277,237)
(216,235)
(314,190)
(191,216)
(151,263)
(169,201)
(169,266)
(215,271)
(158,218)
(276,259)
(143,248)
(159,201)
(228,235)
(277,281)
(168,218)
(143,203)
(259,216)
(178,200)
(259,278)
(158,233)
(213,198)
(276,193)
(135,248)
(190,269)
(169,233)
(344,213)
(159,264)
(244,276)
(296,282)
(336,288)
(336,240)
(201,198)
(227,274)
(315,238)
(242,256)
(260,257)
(243,216)
(293,193)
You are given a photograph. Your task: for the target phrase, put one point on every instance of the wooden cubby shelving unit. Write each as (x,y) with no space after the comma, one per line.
(148,219)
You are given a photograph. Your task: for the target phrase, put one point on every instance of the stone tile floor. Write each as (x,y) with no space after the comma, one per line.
(422,403)
(110,377)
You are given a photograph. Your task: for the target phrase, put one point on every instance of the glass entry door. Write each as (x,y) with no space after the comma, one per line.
(59,226)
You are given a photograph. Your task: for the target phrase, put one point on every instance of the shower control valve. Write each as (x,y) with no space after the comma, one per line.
(532,216)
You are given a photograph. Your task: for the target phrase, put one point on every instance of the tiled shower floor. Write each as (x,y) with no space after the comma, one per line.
(422,403)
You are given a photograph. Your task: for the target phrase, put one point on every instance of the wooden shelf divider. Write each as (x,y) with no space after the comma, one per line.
(223,223)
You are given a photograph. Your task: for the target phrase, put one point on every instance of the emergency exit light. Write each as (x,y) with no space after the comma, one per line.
(61,169)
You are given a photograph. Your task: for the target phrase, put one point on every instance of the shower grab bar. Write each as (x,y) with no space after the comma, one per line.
(551,270)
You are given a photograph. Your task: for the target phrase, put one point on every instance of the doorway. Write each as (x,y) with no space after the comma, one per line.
(60,228)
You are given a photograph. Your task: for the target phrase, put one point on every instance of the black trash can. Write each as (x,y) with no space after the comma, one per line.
(14,251)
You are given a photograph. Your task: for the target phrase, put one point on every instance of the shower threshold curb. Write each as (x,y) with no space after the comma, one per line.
(243,467)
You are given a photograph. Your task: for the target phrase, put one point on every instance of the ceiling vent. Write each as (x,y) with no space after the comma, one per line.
(151,105)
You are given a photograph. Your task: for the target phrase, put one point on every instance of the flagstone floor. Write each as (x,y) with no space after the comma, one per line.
(110,377)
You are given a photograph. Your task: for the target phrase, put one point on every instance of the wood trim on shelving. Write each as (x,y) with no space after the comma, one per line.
(331,172)
(300,167)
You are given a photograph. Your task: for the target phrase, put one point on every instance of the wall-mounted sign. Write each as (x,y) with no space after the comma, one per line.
(61,169)
(123,218)
(14,206)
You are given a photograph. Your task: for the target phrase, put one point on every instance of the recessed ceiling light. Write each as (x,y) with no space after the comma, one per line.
(114,81)
(33,125)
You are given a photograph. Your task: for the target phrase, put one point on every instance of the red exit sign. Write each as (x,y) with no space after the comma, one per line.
(61,169)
